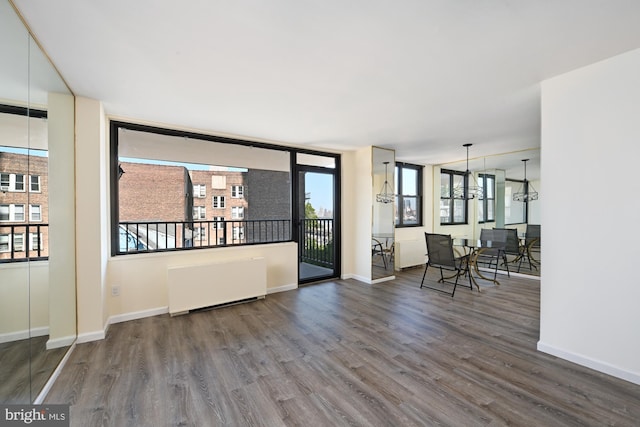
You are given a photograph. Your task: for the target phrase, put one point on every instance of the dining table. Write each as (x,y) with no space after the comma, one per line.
(473,249)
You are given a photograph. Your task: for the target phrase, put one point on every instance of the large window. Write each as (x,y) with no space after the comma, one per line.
(487,203)
(161,176)
(453,209)
(408,181)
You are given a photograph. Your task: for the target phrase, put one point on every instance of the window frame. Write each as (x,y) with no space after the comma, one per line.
(451,198)
(235,194)
(237,212)
(38,183)
(219,202)
(482,178)
(200,191)
(201,212)
(32,207)
(400,195)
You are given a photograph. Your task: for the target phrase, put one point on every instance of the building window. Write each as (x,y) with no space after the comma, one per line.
(19,185)
(18,213)
(219,222)
(199,212)
(12,213)
(4,243)
(36,241)
(237,191)
(453,210)
(408,182)
(237,212)
(4,212)
(18,242)
(238,233)
(12,182)
(35,213)
(219,202)
(34,181)
(200,233)
(199,191)
(487,203)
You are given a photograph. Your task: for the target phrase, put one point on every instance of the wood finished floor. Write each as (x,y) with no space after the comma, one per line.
(343,353)
(25,367)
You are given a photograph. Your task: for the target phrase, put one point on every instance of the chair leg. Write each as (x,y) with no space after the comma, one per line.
(424,274)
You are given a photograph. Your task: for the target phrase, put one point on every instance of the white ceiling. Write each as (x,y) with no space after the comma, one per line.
(420,76)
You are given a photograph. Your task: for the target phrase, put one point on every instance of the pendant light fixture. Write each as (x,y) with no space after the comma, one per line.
(386,194)
(469,189)
(525,194)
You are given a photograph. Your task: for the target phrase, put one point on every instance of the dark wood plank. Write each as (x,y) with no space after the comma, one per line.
(343,353)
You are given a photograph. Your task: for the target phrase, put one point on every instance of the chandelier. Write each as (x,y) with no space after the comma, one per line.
(469,189)
(386,194)
(525,194)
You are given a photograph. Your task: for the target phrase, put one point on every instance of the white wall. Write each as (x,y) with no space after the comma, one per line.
(24,300)
(590,149)
(91,216)
(142,278)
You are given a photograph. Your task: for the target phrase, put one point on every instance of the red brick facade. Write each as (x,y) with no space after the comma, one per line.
(22,204)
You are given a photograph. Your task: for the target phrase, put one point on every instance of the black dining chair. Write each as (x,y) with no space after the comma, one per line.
(491,257)
(512,247)
(531,245)
(440,255)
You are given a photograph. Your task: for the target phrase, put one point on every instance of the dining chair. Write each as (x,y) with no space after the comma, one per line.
(512,247)
(378,249)
(440,255)
(490,257)
(531,245)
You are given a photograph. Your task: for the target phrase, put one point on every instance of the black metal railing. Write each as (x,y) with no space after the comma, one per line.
(24,242)
(316,242)
(156,236)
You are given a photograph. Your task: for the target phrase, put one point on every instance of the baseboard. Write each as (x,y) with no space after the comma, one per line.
(24,334)
(359,278)
(346,276)
(125,317)
(282,288)
(588,362)
(52,379)
(60,342)
(91,336)
(382,279)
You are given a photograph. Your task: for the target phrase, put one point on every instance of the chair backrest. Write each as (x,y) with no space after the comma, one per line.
(496,237)
(513,243)
(532,233)
(440,250)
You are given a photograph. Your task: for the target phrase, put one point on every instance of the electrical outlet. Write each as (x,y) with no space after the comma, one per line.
(115,291)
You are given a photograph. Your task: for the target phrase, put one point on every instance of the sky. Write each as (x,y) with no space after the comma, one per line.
(321,188)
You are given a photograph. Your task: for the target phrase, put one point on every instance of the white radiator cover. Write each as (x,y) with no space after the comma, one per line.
(409,253)
(205,285)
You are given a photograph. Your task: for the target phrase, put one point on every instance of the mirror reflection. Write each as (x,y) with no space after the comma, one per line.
(511,200)
(37,298)
(383,214)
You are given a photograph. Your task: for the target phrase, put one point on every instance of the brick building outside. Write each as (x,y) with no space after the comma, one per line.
(212,207)
(24,184)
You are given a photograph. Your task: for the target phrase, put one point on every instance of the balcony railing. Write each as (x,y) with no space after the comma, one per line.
(24,242)
(156,236)
(316,242)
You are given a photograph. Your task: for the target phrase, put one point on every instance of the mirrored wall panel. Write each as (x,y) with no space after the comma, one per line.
(383,213)
(37,249)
